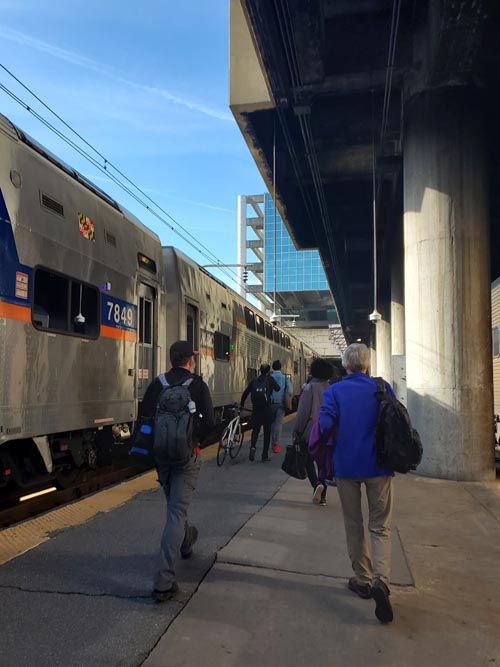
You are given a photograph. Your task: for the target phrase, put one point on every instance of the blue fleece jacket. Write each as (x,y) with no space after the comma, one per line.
(351,406)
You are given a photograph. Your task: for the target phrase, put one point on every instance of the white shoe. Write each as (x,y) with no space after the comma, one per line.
(317,494)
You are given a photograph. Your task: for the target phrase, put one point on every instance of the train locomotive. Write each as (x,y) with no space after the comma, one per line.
(89,304)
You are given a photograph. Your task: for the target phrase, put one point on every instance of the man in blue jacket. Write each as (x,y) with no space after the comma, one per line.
(279,404)
(351,408)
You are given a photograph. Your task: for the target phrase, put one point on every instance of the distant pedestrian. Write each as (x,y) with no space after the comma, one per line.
(307,414)
(179,480)
(352,407)
(260,390)
(279,404)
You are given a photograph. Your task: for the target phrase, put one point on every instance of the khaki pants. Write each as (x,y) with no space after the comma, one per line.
(379,495)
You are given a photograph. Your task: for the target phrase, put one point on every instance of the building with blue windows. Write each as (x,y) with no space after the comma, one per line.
(296,270)
(298,290)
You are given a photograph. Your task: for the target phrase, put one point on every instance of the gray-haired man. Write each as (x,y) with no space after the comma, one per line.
(352,407)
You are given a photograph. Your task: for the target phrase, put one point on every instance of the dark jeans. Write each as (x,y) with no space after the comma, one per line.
(313,475)
(262,418)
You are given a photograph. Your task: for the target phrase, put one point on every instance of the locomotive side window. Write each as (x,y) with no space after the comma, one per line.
(84,303)
(269,330)
(221,346)
(65,305)
(276,335)
(249,319)
(288,343)
(259,325)
(145,321)
(282,339)
(146,262)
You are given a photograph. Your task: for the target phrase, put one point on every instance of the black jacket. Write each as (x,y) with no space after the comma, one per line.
(204,422)
(272,385)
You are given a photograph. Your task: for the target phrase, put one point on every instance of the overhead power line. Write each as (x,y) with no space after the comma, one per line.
(107,168)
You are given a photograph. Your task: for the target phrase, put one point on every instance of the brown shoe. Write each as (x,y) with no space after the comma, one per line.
(383,608)
(363,590)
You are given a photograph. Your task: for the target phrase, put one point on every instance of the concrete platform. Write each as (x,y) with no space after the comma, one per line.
(277,594)
(293,535)
(266,584)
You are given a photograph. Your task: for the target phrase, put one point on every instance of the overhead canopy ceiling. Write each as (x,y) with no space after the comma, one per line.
(332,100)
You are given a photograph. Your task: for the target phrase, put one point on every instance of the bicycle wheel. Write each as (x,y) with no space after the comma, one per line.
(223,446)
(235,445)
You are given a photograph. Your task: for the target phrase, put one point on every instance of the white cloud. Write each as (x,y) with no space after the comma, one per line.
(93,65)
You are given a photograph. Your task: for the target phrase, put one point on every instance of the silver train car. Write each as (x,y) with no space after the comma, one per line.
(89,305)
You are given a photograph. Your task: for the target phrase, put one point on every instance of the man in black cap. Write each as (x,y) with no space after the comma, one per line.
(179,481)
(260,390)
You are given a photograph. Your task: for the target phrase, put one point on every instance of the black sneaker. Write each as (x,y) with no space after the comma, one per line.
(190,537)
(363,590)
(251,455)
(383,608)
(163,596)
(265,459)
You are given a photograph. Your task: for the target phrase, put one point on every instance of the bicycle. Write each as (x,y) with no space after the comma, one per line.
(231,439)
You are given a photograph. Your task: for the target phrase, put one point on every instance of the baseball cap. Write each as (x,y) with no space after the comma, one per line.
(180,350)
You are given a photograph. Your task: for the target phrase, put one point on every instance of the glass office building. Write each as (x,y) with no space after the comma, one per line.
(296,270)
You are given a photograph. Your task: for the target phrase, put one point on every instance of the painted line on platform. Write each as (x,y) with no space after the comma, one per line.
(17,540)
(27,535)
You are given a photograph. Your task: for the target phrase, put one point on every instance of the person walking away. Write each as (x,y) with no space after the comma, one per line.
(279,405)
(307,415)
(260,390)
(352,407)
(178,480)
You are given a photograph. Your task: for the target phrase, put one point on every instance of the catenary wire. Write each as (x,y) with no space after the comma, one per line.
(104,168)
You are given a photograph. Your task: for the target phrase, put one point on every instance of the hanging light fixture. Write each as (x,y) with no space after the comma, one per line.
(375,316)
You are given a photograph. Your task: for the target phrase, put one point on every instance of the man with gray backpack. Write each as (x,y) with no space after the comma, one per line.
(181,405)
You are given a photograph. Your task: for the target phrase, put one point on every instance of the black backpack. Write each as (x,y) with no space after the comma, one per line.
(173,425)
(259,393)
(397,443)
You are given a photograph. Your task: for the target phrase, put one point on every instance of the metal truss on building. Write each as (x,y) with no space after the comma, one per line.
(290,284)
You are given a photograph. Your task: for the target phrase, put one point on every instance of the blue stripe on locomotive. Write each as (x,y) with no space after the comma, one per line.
(9,262)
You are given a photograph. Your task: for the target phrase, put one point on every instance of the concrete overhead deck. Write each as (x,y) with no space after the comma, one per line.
(316,76)
(266,585)
(390,107)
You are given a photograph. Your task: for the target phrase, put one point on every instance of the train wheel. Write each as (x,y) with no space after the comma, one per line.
(91,458)
(67,478)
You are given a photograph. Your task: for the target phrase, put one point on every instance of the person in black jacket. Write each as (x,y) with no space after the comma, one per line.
(179,482)
(260,390)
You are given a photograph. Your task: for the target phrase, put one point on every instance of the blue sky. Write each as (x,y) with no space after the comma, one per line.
(147,85)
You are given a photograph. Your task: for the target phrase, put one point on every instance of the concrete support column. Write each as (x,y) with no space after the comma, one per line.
(242,242)
(447,284)
(398,314)
(383,338)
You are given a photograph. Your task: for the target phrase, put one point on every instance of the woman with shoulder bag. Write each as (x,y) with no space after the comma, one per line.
(307,413)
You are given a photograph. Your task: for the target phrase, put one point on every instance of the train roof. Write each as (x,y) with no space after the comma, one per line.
(178,253)
(7,126)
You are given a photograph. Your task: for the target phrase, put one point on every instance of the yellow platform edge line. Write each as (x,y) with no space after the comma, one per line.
(17,540)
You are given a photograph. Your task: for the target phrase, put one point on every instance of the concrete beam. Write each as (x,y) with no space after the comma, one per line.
(346,160)
(350,83)
(248,85)
(338,8)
